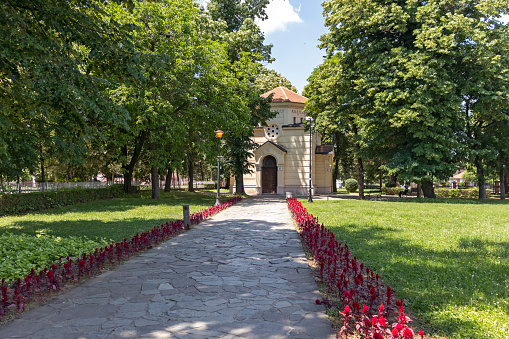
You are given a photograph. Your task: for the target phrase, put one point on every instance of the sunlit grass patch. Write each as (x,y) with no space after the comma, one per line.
(449,261)
(35,240)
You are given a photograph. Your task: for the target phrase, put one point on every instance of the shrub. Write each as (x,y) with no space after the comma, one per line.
(26,202)
(459,193)
(351,185)
(390,184)
(209,186)
(391,190)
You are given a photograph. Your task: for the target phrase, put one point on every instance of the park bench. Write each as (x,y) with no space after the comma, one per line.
(376,193)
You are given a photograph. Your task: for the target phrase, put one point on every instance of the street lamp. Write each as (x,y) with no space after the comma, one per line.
(310,119)
(219,134)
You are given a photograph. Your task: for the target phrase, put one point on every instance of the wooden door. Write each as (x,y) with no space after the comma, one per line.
(269,175)
(269,180)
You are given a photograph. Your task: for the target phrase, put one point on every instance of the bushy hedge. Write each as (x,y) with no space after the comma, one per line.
(27,202)
(391,190)
(209,186)
(459,193)
(351,185)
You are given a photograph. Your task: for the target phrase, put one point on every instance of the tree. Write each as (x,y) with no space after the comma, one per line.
(268,79)
(400,71)
(55,63)
(246,49)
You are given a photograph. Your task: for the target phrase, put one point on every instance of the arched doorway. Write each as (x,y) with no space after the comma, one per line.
(269,175)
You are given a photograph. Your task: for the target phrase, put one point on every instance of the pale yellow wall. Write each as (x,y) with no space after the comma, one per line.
(293,166)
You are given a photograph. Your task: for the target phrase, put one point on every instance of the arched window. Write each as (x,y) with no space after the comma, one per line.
(269,161)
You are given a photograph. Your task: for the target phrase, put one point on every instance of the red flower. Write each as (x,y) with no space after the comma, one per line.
(365,309)
(395,333)
(367,322)
(421,333)
(408,333)
(399,327)
(347,311)
(318,302)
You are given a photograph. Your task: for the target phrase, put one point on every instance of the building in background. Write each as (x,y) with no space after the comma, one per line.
(281,161)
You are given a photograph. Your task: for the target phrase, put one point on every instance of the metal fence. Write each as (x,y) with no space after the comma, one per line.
(30,186)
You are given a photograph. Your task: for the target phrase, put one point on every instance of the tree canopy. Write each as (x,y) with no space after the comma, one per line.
(403,74)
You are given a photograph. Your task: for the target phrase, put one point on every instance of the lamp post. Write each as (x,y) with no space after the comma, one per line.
(219,134)
(310,119)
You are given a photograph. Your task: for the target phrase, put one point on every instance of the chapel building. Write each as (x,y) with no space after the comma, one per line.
(285,150)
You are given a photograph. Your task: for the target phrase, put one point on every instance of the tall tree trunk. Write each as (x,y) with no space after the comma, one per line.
(480,178)
(167,184)
(190,170)
(381,174)
(502,186)
(128,168)
(239,183)
(43,176)
(418,191)
(428,190)
(361,179)
(506,182)
(156,194)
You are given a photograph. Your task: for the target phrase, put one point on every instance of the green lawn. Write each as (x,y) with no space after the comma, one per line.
(448,259)
(73,230)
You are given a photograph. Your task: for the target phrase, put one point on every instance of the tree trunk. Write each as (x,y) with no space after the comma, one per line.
(428,190)
(506,182)
(480,179)
(239,182)
(393,178)
(502,186)
(418,191)
(361,179)
(43,176)
(167,184)
(129,167)
(156,194)
(190,171)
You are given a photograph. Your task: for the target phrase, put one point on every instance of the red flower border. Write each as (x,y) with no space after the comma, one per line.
(15,295)
(350,283)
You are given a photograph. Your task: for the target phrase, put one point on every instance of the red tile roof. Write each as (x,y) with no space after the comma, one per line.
(283,94)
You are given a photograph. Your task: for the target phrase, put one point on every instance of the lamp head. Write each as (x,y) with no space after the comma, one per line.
(219,134)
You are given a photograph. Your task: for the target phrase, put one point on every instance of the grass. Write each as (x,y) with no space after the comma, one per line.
(35,240)
(448,259)
(113,220)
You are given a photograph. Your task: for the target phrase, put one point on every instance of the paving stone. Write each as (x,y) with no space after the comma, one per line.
(239,274)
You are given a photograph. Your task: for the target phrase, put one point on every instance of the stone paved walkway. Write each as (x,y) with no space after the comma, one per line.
(239,274)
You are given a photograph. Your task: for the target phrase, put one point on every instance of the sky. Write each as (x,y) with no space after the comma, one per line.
(294,28)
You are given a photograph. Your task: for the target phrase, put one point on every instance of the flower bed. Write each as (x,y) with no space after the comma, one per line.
(349,284)
(16,294)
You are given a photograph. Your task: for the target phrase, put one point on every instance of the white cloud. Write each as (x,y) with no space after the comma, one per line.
(281,13)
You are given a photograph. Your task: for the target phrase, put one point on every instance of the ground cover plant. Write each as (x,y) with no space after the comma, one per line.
(355,294)
(53,260)
(448,259)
